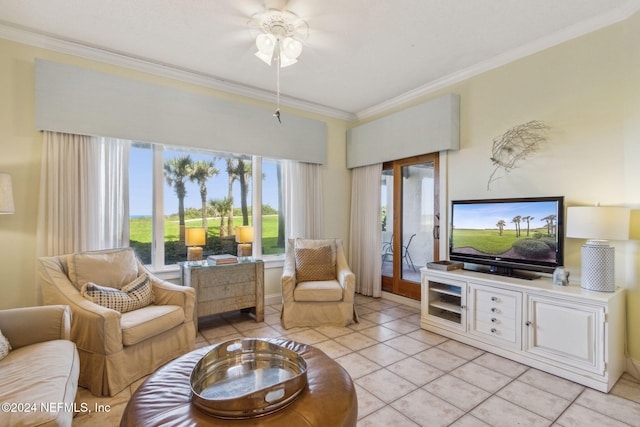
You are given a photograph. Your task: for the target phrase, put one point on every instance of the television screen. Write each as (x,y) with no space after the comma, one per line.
(508,234)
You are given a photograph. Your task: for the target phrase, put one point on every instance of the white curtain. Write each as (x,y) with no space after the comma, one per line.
(365,234)
(303,201)
(84,194)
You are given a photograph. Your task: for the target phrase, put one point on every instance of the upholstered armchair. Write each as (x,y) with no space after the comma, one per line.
(126,322)
(317,284)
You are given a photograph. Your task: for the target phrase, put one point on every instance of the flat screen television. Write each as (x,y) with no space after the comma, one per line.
(512,236)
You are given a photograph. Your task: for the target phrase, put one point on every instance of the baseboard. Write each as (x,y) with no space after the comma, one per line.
(400,299)
(633,368)
(273,299)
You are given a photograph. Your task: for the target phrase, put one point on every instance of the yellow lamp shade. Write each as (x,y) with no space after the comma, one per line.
(195,236)
(244,234)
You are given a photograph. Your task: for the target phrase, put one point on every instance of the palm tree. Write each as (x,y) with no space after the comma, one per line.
(176,170)
(244,174)
(550,225)
(232,175)
(527,219)
(501,224)
(201,171)
(238,170)
(221,208)
(516,220)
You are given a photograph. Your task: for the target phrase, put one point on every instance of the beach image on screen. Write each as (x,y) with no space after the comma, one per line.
(511,230)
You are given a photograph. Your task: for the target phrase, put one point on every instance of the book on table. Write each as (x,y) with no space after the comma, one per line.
(222,259)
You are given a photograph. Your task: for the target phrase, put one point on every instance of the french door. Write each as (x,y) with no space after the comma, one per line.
(410,229)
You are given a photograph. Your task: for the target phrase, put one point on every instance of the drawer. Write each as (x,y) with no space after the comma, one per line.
(219,292)
(496,319)
(495,315)
(503,332)
(496,302)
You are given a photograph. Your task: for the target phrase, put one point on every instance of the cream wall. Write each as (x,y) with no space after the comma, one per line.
(587,90)
(20,148)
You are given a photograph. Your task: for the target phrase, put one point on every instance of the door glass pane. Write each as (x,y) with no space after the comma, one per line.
(417,219)
(387,222)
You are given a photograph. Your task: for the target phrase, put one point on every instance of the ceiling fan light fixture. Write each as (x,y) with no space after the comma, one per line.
(278,40)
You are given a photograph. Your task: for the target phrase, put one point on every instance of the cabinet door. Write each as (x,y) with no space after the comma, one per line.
(444,302)
(495,314)
(567,332)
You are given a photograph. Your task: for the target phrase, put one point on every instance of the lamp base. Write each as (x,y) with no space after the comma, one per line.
(598,266)
(244,251)
(194,253)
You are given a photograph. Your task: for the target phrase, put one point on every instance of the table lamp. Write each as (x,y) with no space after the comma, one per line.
(598,224)
(244,237)
(6,194)
(195,237)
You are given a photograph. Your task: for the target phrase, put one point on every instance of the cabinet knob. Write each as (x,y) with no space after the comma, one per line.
(528,323)
(494,330)
(463,307)
(494,320)
(494,299)
(494,310)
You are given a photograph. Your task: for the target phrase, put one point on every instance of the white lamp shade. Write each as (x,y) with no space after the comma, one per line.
(266,44)
(195,236)
(291,48)
(6,194)
(244,234)
(598,222)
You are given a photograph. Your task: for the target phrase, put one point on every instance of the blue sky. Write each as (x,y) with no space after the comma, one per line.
(486,215)
(140,184)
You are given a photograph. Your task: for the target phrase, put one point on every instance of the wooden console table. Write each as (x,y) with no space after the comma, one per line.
(222,288)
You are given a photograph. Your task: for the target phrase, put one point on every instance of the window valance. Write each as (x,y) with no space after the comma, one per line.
(426,128)
(80,101)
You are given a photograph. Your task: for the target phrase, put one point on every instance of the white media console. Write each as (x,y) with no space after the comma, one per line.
(564,330)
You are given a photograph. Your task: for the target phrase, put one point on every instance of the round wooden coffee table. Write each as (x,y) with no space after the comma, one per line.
(164,399)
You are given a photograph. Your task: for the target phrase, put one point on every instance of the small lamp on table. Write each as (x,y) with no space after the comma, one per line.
(194,238)
(244,237)
(598,224)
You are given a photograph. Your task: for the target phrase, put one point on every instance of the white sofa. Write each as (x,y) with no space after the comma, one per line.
(39,376)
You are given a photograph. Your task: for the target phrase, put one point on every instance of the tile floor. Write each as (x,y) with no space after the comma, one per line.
(406,376)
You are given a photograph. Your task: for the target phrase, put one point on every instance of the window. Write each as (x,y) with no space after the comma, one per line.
(173,189)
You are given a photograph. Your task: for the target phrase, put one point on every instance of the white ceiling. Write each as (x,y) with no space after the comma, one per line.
(361,56)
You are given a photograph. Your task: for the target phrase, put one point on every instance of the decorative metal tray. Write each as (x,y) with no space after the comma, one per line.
(245,378)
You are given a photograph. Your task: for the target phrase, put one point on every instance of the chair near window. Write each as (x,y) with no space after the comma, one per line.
(387,250)
(318,286)
(126,322)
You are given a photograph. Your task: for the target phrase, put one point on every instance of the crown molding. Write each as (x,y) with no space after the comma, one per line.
(49,42)
(46,41)
(539,45)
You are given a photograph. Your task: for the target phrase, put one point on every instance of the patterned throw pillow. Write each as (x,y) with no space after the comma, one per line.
(133,296)
(314,264)
(5,347)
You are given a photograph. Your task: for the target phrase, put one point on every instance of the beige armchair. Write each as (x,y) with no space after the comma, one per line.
(118,348)
(317,284)
(42,367)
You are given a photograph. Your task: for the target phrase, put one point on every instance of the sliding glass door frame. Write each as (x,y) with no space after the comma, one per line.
(396,284)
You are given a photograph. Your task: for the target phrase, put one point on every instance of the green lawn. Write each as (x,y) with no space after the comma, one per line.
(141,230)
(489,241)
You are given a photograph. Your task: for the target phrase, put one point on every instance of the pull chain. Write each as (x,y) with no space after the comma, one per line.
(277,113)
